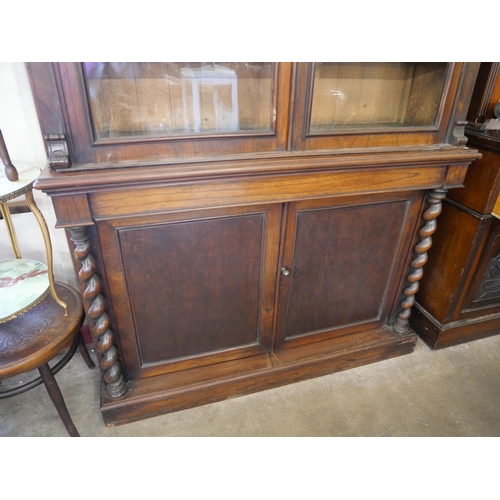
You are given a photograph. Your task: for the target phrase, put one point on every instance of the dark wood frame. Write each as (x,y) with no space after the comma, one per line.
(94,200)
(486,93)
(413,201)
(302,139)
(67,81)
(109,236)
(448,312)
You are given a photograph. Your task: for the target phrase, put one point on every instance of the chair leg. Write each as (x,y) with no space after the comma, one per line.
(57,399)
(85,354)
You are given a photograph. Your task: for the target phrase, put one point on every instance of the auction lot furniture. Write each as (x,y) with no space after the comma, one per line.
(240,226)
(38,317)
(459,300)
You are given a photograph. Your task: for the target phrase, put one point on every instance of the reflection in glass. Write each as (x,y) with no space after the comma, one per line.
(163,99)
(376,95)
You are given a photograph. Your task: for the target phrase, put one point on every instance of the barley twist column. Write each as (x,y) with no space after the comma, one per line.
(96,305)
(434,199)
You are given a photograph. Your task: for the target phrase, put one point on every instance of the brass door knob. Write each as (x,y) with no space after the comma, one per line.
(285,271)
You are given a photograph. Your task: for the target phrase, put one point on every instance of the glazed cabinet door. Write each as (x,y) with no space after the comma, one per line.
(342,263)
(359,105)
(192,288)
(164,111)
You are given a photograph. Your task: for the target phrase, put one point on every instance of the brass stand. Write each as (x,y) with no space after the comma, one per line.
(25,176)
(48,247)
(10,229)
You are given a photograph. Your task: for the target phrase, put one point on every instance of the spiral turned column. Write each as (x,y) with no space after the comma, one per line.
(103,336)
(434,199)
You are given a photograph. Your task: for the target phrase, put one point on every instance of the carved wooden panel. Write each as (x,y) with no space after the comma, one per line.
(17,333)
(490,286)
(194,288)
(341,256)
(484,291)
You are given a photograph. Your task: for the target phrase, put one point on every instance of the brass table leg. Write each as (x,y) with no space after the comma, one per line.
(48,247)
(10,228)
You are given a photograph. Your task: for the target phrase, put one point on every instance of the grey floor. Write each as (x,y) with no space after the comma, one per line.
(451,392)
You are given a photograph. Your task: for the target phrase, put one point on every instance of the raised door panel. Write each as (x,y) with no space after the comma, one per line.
(193,289)
(342,264)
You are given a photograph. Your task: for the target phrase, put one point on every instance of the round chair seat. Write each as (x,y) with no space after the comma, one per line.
(36,337)
(30,341)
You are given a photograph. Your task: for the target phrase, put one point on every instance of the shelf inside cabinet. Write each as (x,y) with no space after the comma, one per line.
(375,95)
(167,99)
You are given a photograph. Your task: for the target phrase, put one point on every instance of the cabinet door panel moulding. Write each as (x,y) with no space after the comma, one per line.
(241,226)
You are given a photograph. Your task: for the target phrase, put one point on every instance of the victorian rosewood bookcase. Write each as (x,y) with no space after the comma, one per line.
(459,299)
(240,226)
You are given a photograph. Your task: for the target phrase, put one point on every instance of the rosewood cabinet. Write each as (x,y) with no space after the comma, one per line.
(240,226)
(459,300)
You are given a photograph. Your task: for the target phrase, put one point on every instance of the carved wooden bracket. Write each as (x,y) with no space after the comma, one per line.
(459,133)
(57,149)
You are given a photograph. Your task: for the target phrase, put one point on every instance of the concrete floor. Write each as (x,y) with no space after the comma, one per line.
(451,392)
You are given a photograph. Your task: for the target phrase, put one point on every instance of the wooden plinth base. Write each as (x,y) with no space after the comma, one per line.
(153,396)
(438,335)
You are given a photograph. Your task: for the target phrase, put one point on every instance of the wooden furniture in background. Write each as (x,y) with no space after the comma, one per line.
(224,253)
(459,300)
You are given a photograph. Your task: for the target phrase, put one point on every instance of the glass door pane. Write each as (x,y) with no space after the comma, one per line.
(375,96)
(173,99)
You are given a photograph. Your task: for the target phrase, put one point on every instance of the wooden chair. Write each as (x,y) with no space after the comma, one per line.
(31,340)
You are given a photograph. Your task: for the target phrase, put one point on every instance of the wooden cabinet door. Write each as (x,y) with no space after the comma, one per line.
(359,105)
(343,264)
(193,288)
(162,112)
